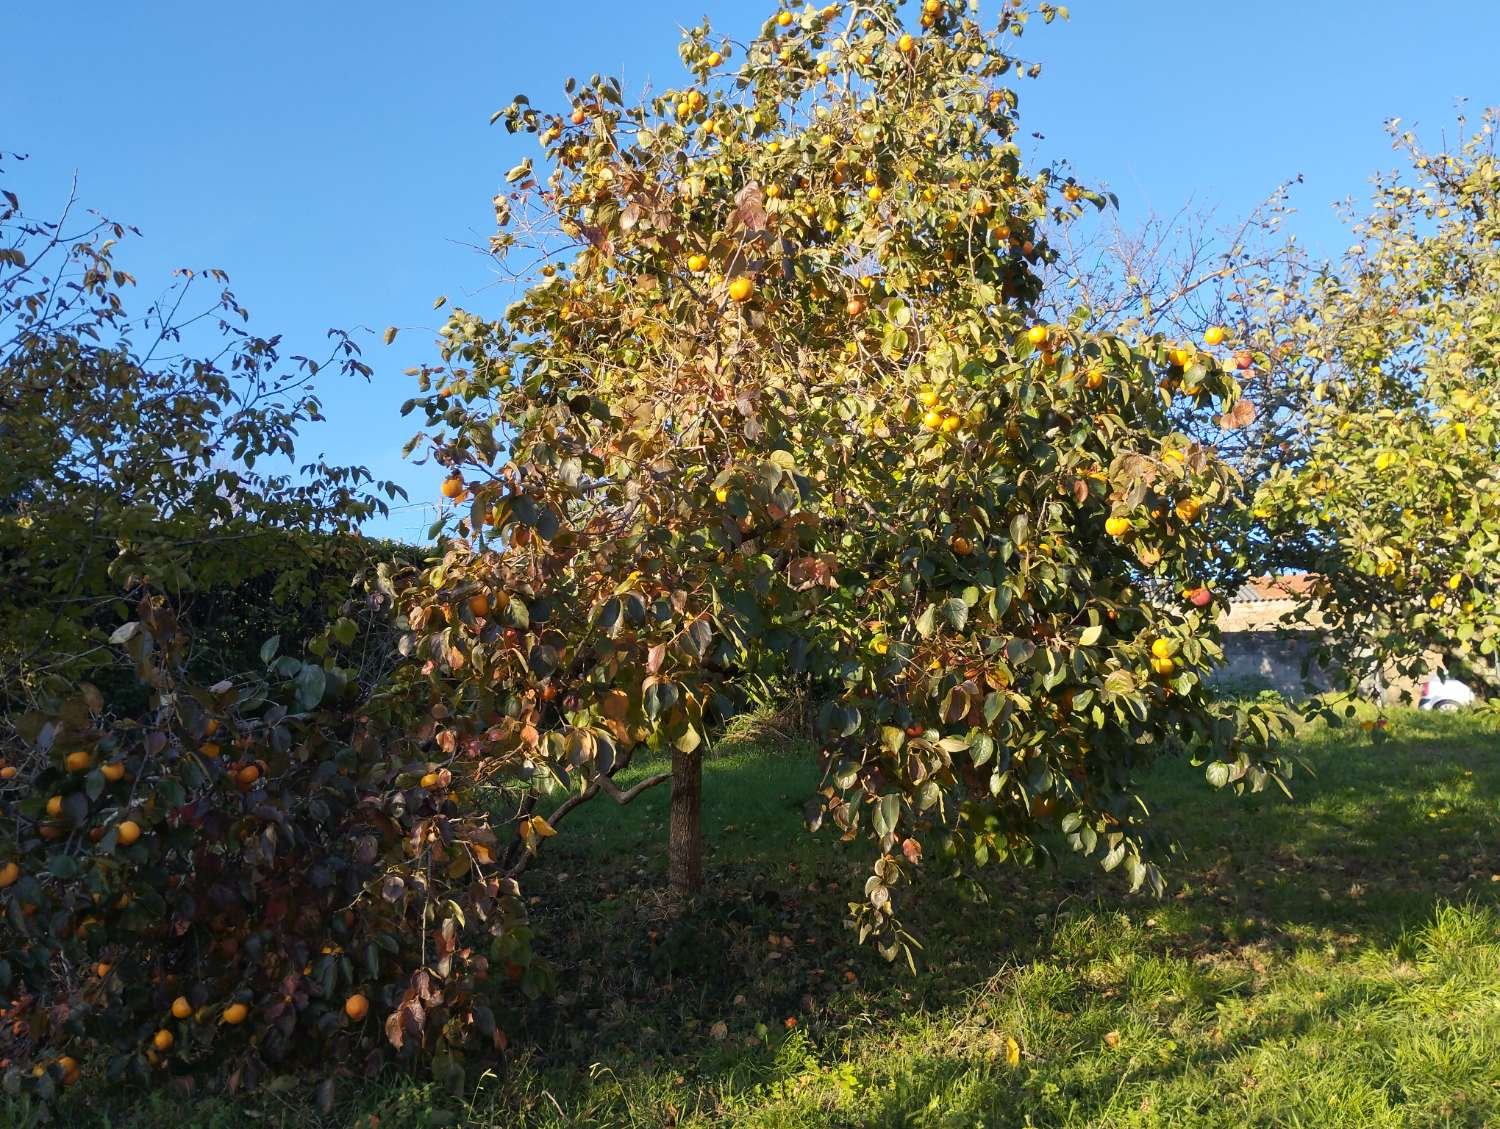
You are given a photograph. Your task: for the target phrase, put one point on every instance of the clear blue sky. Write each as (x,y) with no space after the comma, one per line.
(334,157)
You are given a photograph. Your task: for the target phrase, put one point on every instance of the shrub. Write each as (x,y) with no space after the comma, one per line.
(260,874)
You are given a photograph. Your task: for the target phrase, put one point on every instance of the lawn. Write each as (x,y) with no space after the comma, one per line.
(1331,960)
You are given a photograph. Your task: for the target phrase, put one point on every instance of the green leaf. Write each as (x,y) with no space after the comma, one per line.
(887,814)
(927,621)
(1020,526)
(312,680)
(956,613)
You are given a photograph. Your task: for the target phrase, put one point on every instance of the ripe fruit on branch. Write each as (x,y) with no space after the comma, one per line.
(453,486)
(741,289)
(1189,508)
(356,1007)
(1117,526)
(1037,334)
(1213,335)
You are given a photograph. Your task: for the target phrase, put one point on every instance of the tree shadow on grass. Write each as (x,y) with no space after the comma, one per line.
(1365,850)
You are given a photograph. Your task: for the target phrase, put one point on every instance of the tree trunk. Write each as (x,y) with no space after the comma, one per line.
(685,831)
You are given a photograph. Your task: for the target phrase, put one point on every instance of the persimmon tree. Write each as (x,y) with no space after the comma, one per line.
(774,406)
(775,402)
(1390,490)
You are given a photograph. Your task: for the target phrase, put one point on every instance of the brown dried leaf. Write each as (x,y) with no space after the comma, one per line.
(1241,415)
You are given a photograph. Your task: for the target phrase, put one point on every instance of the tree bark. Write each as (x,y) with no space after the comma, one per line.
(685,830)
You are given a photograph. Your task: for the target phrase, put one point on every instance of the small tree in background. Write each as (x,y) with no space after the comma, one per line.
(1390,490)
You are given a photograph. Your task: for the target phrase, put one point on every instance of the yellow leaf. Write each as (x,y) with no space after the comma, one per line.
(390,334)
(1012,1051)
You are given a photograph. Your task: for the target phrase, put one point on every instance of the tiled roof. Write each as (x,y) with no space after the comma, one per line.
(1261,589)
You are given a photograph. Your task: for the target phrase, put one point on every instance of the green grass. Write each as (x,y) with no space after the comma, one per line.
(1333,960)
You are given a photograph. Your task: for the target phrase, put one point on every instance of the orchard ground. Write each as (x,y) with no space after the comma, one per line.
(1331,960)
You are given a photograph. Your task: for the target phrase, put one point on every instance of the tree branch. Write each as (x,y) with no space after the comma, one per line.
(612,789)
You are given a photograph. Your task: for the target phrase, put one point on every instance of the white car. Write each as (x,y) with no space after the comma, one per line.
(1445,694)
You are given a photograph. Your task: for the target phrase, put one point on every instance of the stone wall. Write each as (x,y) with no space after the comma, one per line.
(1266,659)
(1264,649)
